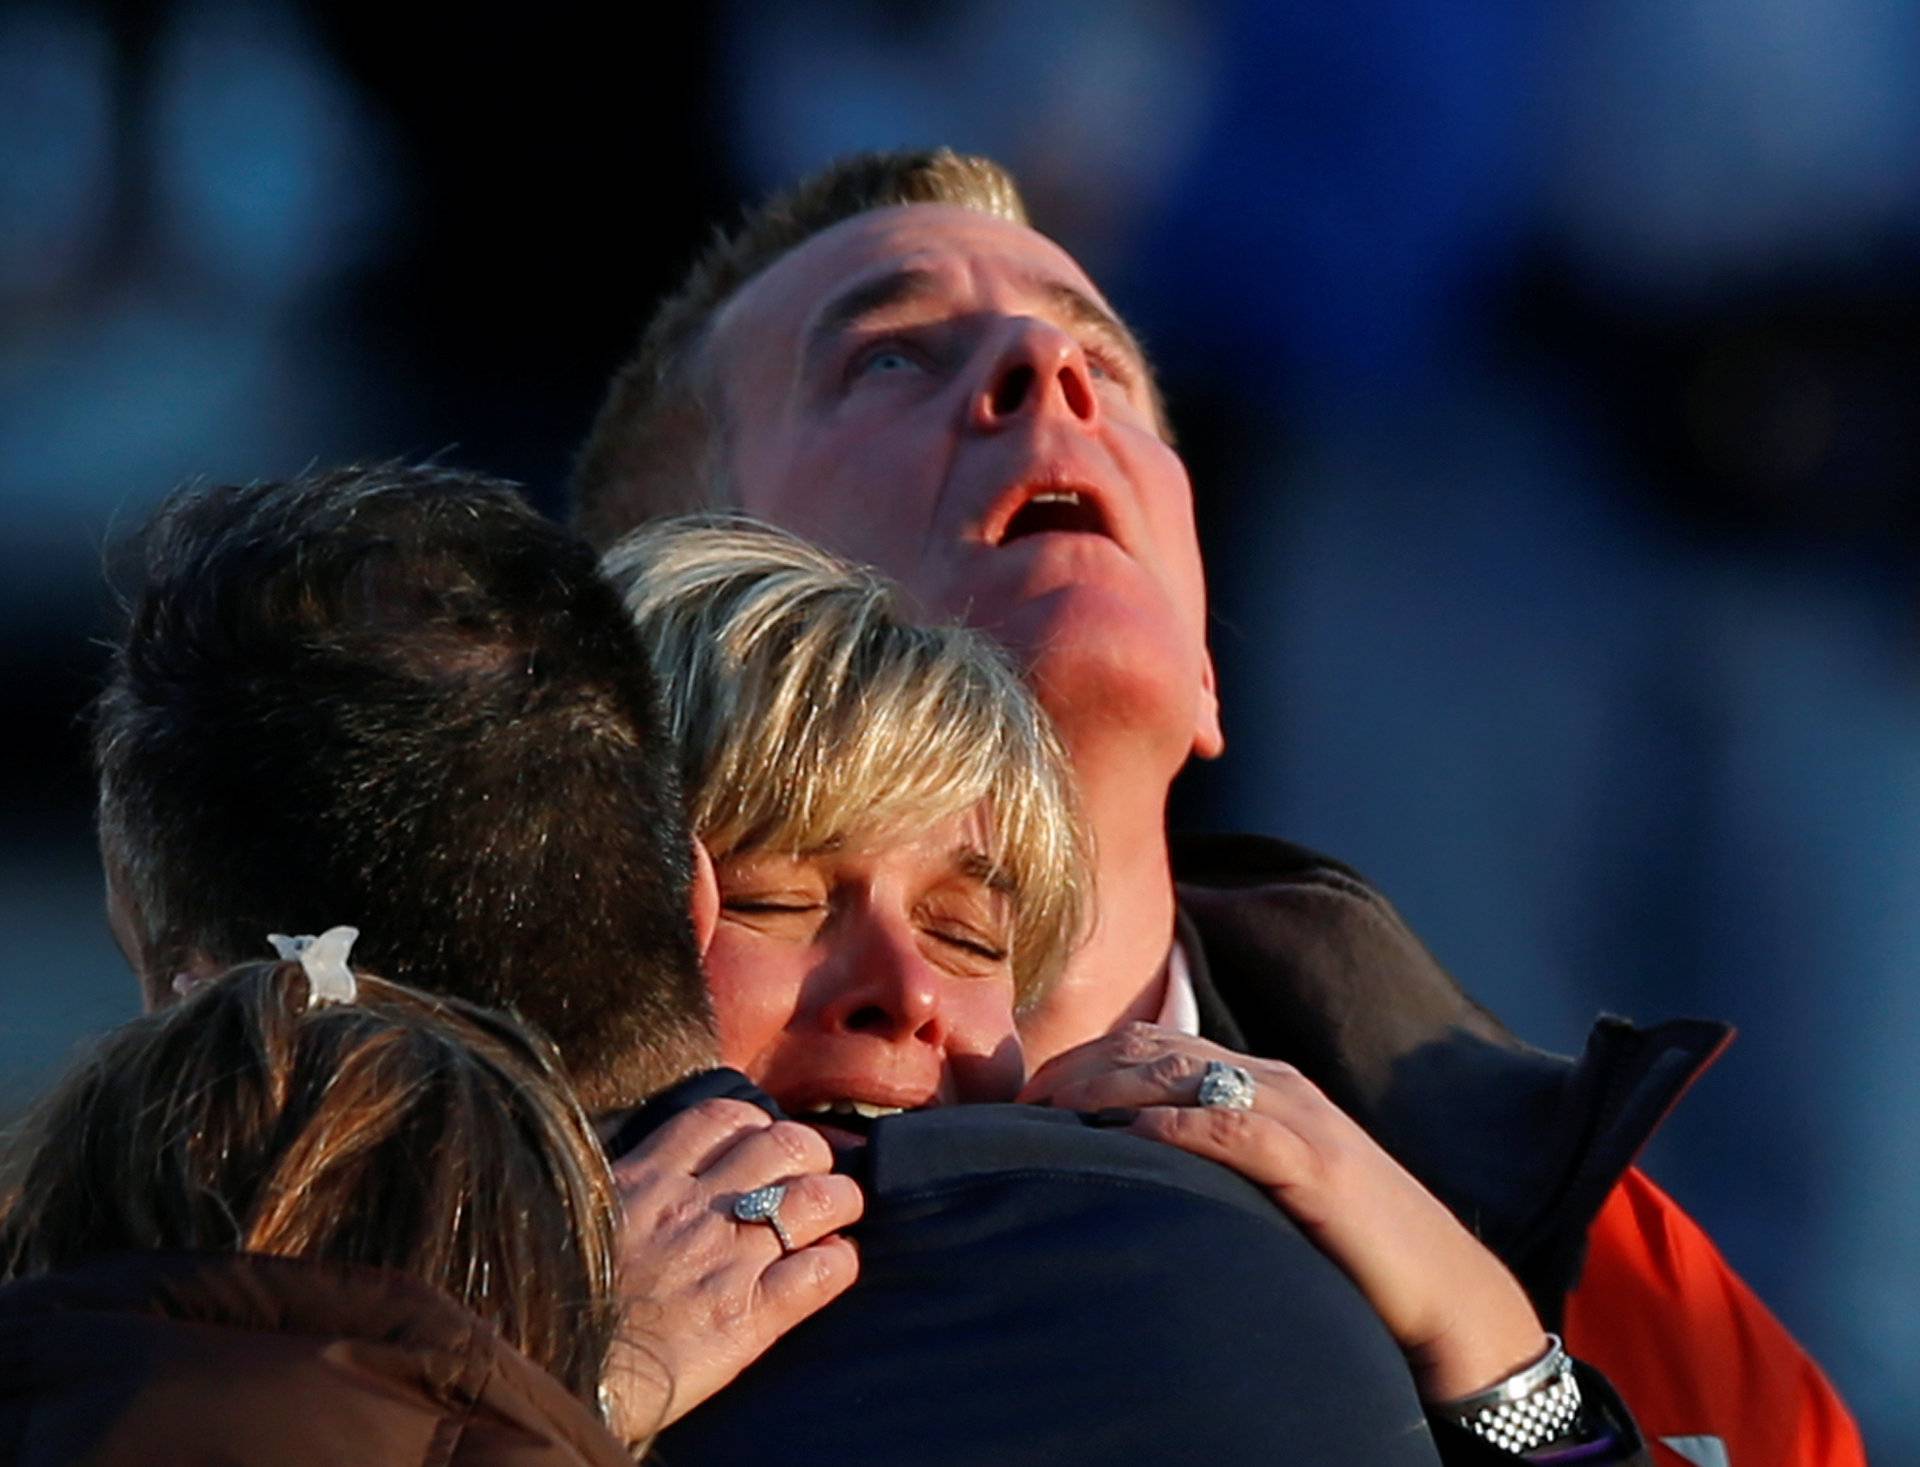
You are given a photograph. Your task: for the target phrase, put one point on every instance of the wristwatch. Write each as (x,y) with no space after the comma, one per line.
(1533,1408)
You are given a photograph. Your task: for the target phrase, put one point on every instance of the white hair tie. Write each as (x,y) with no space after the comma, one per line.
(324,959)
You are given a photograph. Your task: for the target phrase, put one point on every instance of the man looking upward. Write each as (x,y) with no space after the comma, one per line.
(938,391)
(889,360)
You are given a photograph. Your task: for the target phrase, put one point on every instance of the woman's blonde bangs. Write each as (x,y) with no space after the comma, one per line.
(809,710)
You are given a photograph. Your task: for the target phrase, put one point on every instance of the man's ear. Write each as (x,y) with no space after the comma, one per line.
(129,930)
(1208,741)
(127,923)
(121,921)
(705,899)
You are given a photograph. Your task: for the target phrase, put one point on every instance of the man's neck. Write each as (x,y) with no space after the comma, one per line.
(1119,974)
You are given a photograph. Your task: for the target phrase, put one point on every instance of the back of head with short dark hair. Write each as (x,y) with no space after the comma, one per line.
(397,698)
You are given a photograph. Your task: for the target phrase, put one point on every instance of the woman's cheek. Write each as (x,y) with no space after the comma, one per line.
(983,1050)
(754,996)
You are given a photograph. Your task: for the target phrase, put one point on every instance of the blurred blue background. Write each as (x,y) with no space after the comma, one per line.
(1549,376)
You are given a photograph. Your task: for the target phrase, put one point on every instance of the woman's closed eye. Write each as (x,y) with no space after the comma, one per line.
(780,913)
(973,926)
(976,944)
(770,903)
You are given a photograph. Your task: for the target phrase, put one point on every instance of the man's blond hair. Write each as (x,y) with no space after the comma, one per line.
(656,447)
(809,707)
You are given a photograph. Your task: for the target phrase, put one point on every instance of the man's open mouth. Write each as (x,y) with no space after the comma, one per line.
(1056,510)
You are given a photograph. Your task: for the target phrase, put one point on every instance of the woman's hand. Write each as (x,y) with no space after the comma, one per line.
(1461,1318)
(705,1293)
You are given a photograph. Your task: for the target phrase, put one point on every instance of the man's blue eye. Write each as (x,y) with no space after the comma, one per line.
(1103,366)
(887,361)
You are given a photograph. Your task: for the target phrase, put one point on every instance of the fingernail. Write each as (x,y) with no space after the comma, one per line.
(1115,1115)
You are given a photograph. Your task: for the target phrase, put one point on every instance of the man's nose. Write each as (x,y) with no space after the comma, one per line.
(1036,369)
(889,989)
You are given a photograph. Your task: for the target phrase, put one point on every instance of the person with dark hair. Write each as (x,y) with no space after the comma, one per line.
(397,698)
(888,359)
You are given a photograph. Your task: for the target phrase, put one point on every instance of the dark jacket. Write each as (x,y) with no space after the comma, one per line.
(1295,957)
(1034,1290)
(1037,1290)
(194,1360)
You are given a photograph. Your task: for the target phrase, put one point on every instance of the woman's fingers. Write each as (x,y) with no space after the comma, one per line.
(1130,1044)
(1168,1063)
(709,1328)
(1160,1067)
(1263,1150)
(711,1290)
(1170,1079)
(771,1153)
(692,1139)
(812,1208)
(793,1287)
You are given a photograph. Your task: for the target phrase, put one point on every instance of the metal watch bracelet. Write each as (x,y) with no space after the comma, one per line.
(1530,1409)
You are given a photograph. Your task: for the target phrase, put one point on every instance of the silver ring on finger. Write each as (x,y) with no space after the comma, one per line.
(1225,1087)
(762,1205)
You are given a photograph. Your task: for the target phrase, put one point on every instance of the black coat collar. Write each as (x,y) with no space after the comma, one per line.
(1295,957)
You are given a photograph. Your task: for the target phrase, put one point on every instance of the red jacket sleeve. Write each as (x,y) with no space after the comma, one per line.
(1692,1351)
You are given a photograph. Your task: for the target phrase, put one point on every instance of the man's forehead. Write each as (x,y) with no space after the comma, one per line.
(947,243)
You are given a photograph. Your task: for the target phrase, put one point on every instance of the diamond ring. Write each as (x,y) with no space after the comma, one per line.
(762,1204)
(1225,1087)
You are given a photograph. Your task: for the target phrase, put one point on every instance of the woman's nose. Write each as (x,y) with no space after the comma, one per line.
(887,987)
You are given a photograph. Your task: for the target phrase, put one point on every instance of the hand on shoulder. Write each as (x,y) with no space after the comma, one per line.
(706,1292)
(1456,1311)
